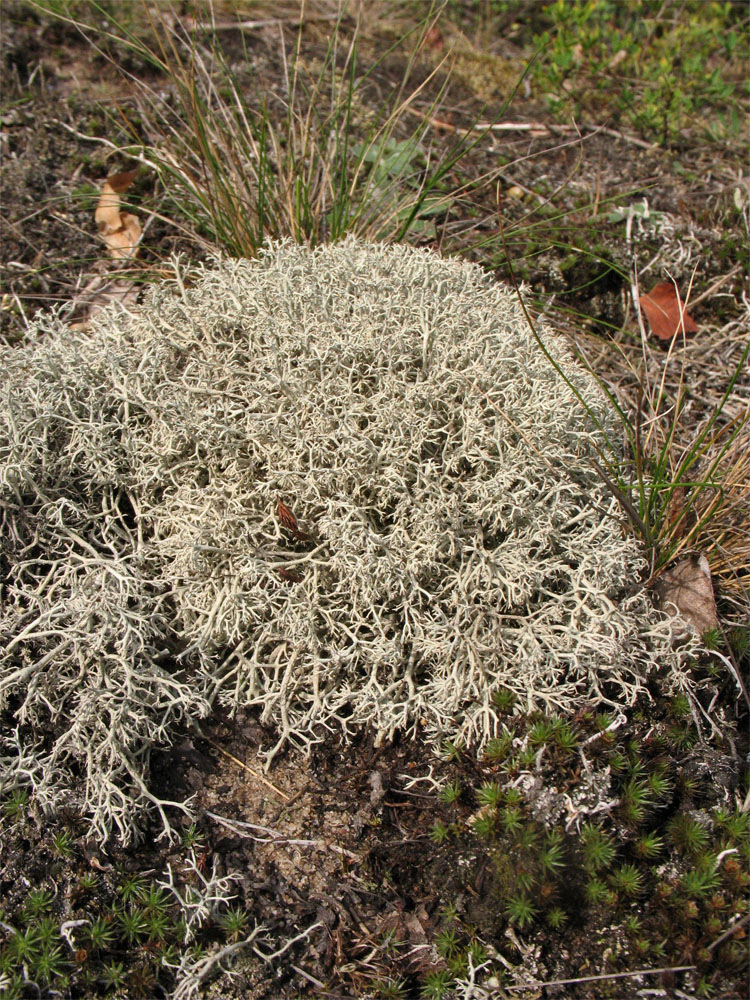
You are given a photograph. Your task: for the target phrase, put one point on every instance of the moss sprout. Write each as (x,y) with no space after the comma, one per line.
(498,748)
(504,700)
(688,835)
(133,924)
(511,819)
(88,882)
(649,845)
(636,800)
(62,843)
(556,918)
(436,985)
(541,732)
(551,857)
(490,794)
(447,942)
(37,903)
(701,881)
(450,793)
(14,806)
(101,933)
(598,848)
(521,911)
(527,757)
(234,923)
(566,737)
(439,832)
(627,880)
(485,824)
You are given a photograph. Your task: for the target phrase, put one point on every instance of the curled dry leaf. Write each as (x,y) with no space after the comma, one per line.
(286,517)
(290,521)
(119,230)
(665,312)
(99,293)
(434,39)
(687,586)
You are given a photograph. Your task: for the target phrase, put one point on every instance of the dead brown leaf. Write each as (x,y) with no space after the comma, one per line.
(101,292)
(687,586)
(434,39)
(665,312)
(119,230)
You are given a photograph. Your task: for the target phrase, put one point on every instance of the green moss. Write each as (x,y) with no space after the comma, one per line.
(659,879)
(658,68)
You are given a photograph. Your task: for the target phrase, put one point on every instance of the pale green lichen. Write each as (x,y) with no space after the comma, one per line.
(460,539)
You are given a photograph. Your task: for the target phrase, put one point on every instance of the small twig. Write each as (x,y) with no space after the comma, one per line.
(734,671)
(729,932)
(633,139)
(68,927)
(280,951)
(715,287)
(724,854)
(307,976)
(264,23)
(535,128)
(273,836)
(251,770)
(611,975)
(611,728)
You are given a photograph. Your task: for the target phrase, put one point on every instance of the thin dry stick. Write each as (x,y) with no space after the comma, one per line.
(729,932)
(264,23)
(251,770)
(621,135)
(610,975)
(715,287)
(534,128)
(274,837)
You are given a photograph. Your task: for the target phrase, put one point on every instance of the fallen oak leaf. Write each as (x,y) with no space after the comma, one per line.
(665,312)
(119,230)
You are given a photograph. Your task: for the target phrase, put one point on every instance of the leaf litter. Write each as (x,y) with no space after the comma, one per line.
(121,231)
(666,312)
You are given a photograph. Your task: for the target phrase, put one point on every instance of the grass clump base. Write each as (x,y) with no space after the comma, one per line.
(342,485)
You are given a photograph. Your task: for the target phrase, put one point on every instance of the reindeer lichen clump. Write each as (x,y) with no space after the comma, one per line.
(344,485)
